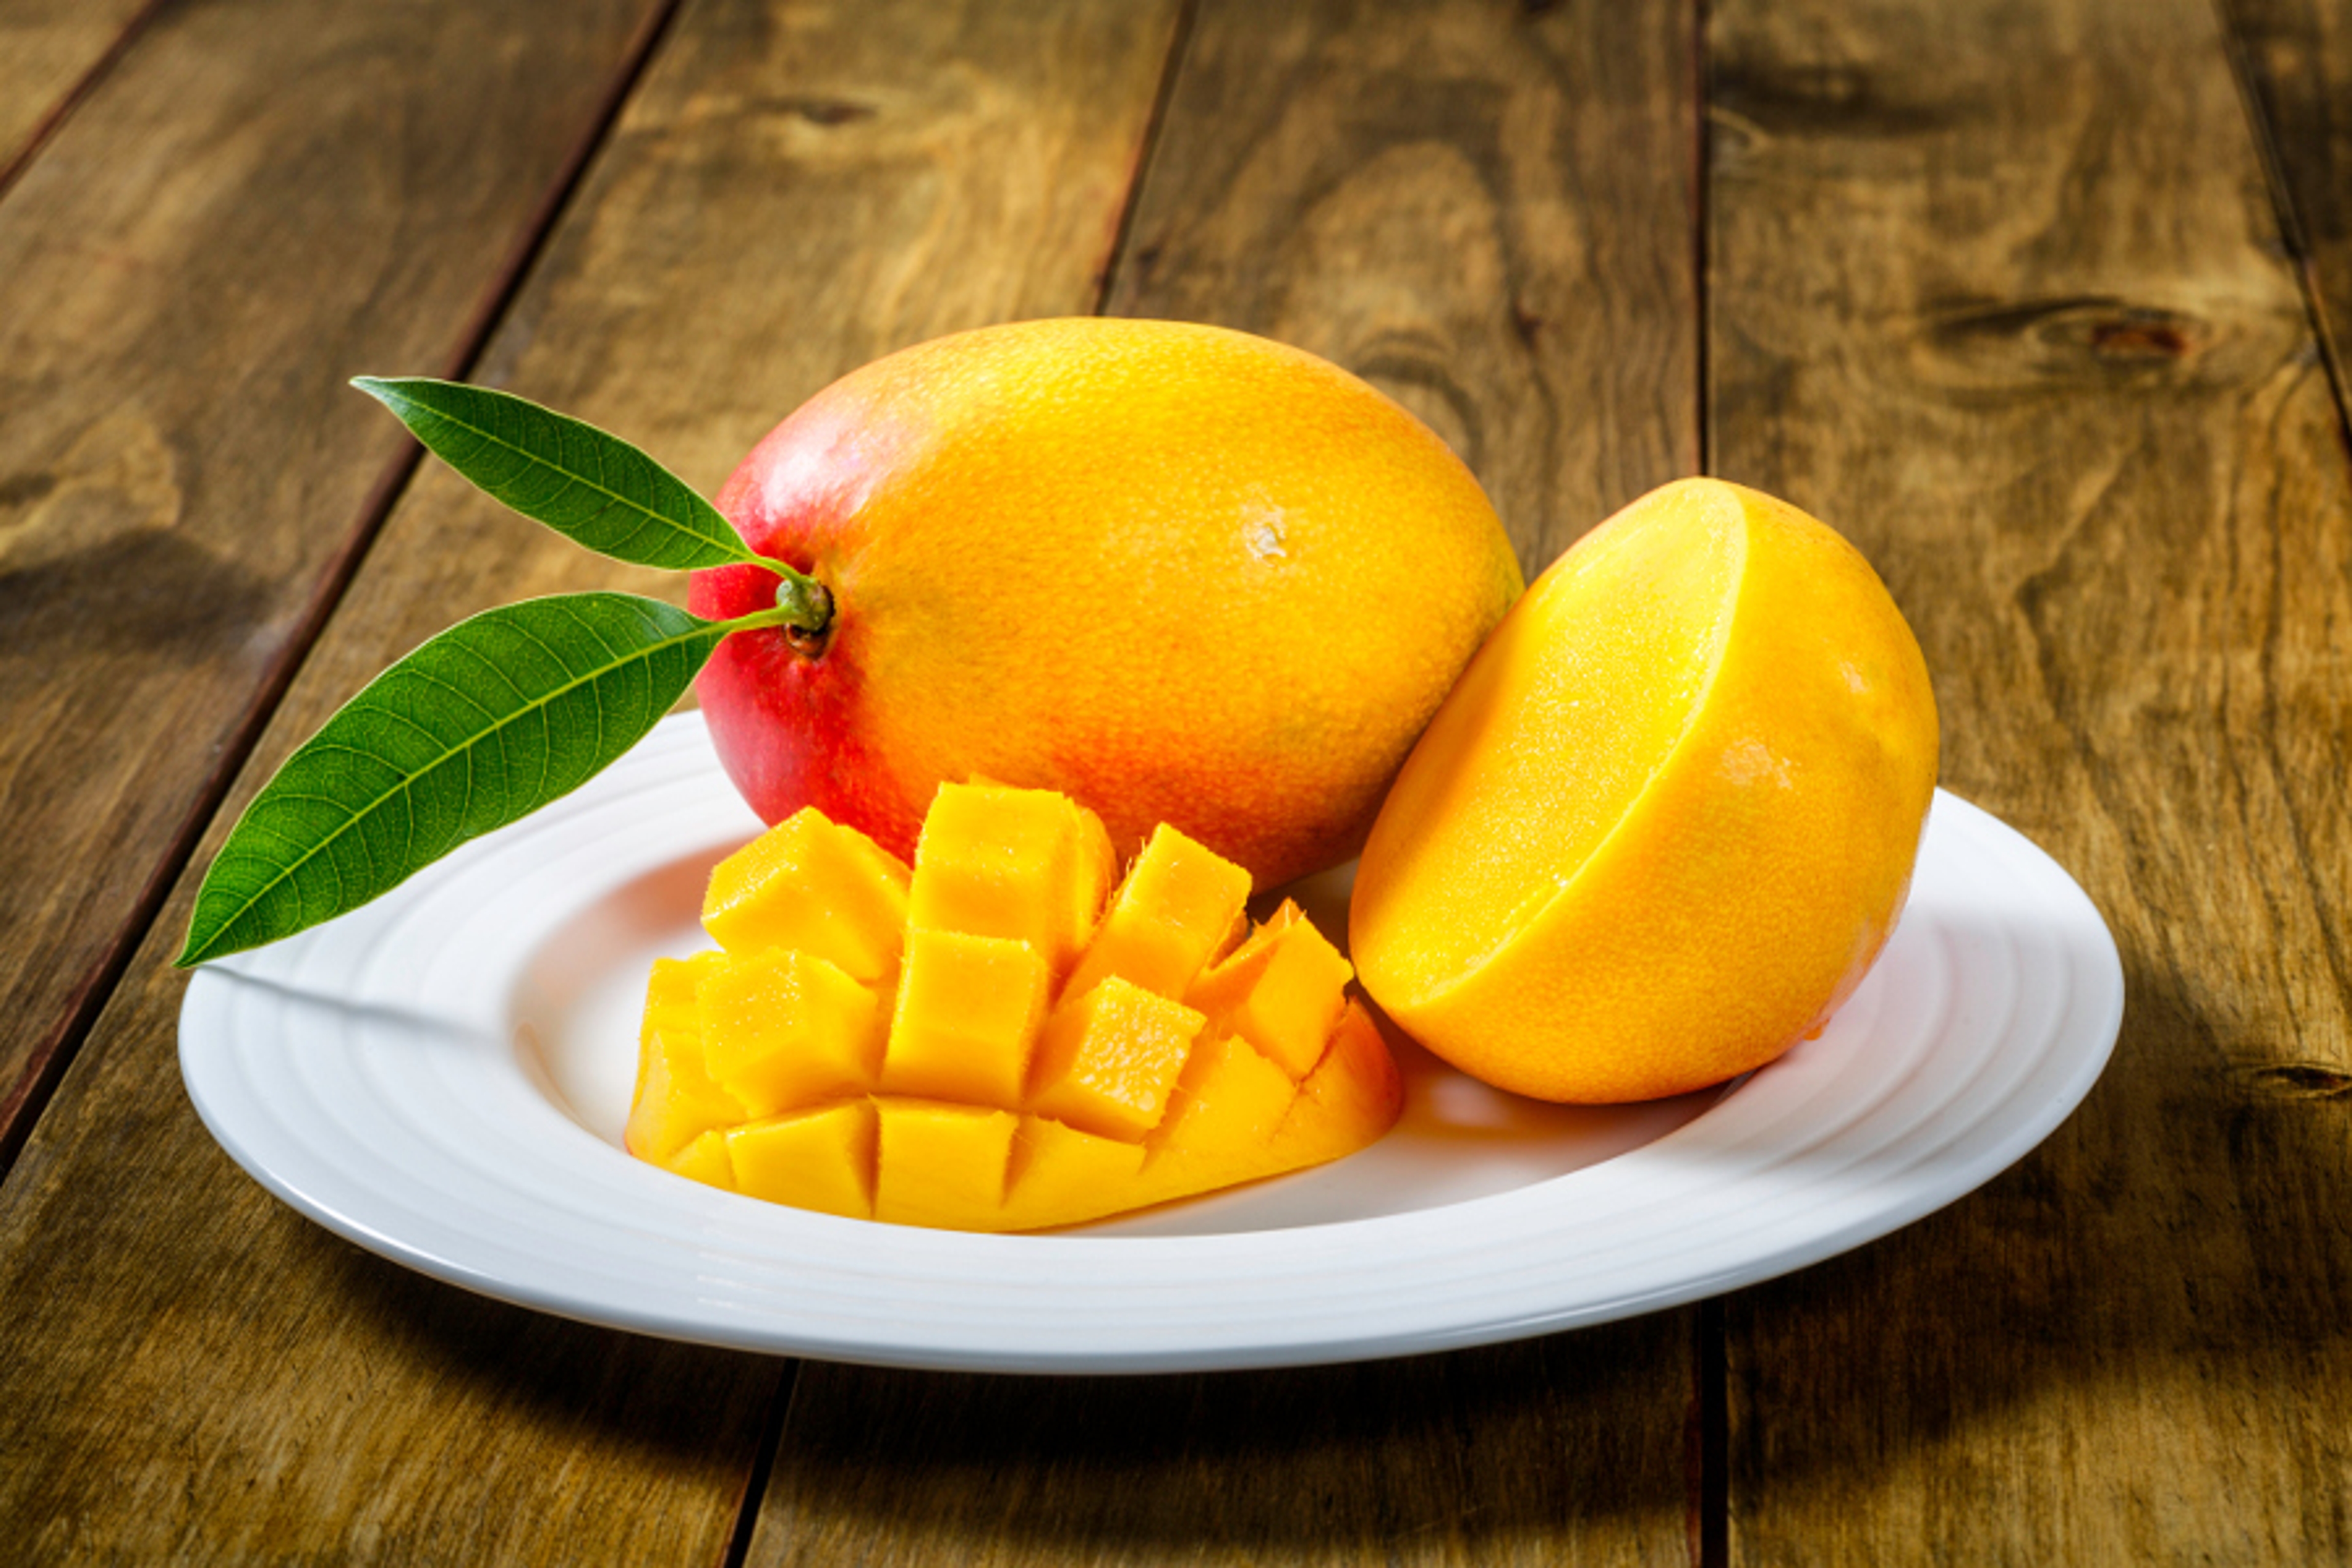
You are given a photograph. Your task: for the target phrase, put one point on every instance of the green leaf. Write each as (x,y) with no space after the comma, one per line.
(589,486)
(489,720)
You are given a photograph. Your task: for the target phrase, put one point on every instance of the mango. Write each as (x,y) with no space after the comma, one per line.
(1155,565)
(1029,1047)
(1669,819)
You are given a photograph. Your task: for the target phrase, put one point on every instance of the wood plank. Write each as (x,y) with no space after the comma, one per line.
(2297,57)
(220,235)
(1488,214)
(1996,289)
(49,49)
(198,1374)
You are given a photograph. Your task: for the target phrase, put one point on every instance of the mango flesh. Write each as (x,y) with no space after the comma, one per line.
(1668,818)
(999,1039)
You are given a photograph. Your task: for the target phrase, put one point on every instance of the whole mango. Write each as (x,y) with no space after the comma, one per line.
(1181,574)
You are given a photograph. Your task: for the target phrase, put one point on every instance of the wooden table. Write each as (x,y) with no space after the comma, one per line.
(2043,305)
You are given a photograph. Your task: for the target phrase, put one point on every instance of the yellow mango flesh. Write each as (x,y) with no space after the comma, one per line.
(1025,864)
(821,1160)
(1281,991)
(1013,1055)
(675,1100)
(1667,818)
(1056,1170)
(968,1011)
(1228,1105)
(939,1163)
(1109,1060)
(784,1029)
(706,1160)
(1179,906)
(809,884)
(1355,1085)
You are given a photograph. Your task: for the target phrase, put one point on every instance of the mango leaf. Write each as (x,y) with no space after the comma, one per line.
(590,487)
(489,720)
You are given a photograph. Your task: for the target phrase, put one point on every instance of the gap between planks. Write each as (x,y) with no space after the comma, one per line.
(59,111)
(2294,231)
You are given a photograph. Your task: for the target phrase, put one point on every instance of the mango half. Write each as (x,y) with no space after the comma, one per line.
(999,1039)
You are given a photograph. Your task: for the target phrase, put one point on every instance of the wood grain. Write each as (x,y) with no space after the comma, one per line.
(1997,290)
(1487,214)
(2298,56)
(190,268)
(47,51)
(195,1374)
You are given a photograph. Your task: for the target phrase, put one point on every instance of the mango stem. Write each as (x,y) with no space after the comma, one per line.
(806,606)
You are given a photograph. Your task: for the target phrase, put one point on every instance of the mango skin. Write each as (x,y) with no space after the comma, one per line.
(1747,888)
(1181,574)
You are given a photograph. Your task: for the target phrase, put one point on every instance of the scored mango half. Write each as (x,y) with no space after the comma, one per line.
(1000,1038)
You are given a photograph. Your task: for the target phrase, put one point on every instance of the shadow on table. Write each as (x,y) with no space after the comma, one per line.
(1582,1434)
(2172,1264)
(147,593)
(1577,1434)
(529,1377)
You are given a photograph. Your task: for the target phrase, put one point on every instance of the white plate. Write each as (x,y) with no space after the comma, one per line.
(442,1075)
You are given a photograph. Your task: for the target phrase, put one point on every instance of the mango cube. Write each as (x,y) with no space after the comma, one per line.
(1057,1173)
(810,885)
(968,1015)
(940,1163)
(1179,906)
(677,1101)
(784,1029)
(705,1160)
(1026,864)
(1281,991)
(1226,1107)
(670,1002)
(821,1159)
(981,1044)
(1108,1059)
(675,985)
